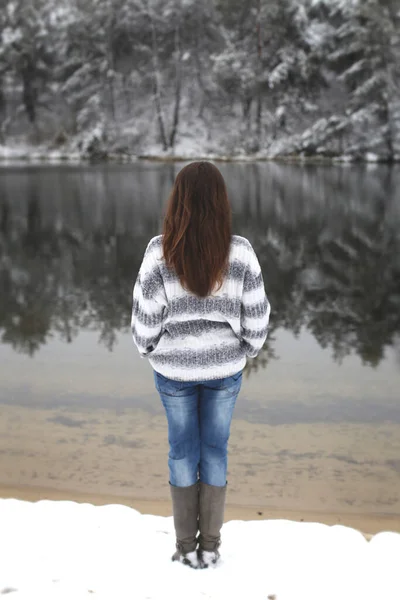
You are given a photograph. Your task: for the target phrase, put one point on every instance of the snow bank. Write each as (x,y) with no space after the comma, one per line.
(7,152)
(64,550)
(289,150)
(29,154)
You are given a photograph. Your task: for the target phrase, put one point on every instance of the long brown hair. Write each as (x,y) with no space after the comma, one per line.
(197,228)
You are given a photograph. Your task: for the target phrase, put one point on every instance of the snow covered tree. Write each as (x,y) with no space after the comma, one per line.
(366,56)
(25,51)
(87,73)
(181,37)
(269,62)
(124,52)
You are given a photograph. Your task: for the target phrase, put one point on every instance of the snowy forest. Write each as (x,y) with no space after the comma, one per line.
(213,78)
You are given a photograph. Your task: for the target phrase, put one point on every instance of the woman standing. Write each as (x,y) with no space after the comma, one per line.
(199,309)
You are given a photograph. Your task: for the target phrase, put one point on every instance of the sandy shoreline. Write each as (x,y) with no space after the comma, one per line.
(330,473)
(368,524)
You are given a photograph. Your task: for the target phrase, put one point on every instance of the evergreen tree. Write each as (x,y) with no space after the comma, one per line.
(366,56)
(25,53)
(269,62)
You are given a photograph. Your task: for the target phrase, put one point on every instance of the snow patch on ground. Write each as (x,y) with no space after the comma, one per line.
(64,550)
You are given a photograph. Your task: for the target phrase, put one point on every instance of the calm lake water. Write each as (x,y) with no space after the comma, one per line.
(317,424)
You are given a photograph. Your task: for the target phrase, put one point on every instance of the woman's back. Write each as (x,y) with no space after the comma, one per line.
(191,338)
(199,309)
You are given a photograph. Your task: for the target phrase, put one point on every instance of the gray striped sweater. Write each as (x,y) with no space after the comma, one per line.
(188,338)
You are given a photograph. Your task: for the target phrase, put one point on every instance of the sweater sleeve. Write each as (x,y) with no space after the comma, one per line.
(149,305)
(255,308)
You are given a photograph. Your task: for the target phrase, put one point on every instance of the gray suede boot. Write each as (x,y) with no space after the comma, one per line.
(185,507)
(211,519)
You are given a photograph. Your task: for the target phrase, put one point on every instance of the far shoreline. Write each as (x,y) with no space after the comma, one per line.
(368,524)
(56,157)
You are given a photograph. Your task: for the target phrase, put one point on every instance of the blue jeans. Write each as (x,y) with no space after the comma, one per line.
(199,417)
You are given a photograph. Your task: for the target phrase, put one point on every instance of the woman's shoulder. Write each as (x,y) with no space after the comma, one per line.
(241,246)
(242,250)
(154,245)
(238,240)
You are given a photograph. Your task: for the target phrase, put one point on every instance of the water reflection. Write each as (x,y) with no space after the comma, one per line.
(327,237)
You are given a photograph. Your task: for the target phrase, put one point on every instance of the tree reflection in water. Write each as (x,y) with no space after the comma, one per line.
(328,240)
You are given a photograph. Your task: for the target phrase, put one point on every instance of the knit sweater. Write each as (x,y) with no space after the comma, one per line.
(188,338)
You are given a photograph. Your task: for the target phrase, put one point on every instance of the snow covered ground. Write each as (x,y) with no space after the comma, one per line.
(64,550)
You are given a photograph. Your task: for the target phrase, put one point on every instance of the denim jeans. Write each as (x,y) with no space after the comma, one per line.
(199,416)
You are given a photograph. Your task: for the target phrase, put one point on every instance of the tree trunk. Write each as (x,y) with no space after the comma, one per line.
(259,117)
(112,101)
(156,83)
(2,99)
(3,120)
(127,96)
(178,87)
(389,126)
(110,59)
(247,102)
(259,73)
(201,51)
(29,95)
